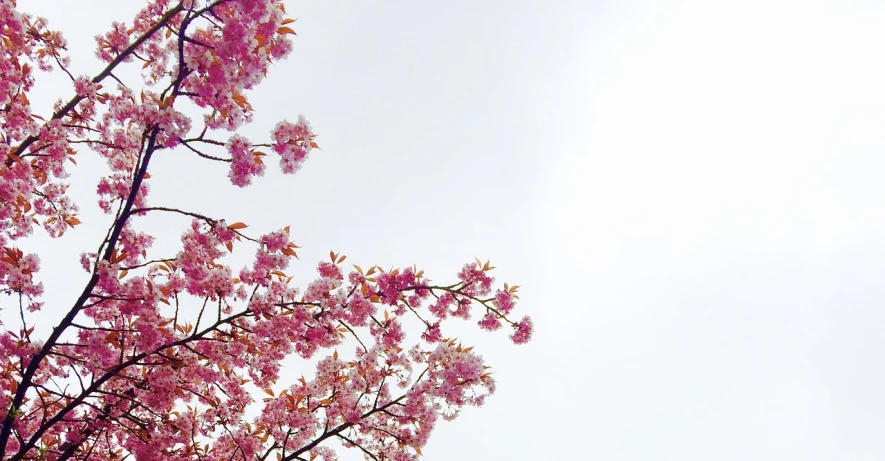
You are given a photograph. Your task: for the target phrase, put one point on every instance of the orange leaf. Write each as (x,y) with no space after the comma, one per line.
(237,226)
(168,102)
(286,30)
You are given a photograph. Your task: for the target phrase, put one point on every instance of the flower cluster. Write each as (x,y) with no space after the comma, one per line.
(293,141)
(244,162)
(231,54)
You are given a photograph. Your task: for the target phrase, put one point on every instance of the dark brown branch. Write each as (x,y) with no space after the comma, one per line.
(334,432)
(201,154)
(367,452)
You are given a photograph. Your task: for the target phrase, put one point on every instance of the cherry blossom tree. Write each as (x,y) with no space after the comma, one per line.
(177,357)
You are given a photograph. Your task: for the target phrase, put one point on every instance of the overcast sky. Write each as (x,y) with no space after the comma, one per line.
(689,193)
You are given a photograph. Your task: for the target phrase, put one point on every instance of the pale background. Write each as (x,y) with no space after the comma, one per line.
(688,191)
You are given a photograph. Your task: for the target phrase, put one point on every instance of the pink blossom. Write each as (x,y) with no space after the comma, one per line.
(523,331)
(504,301)
(432,334)
(244,162)
(490,322)
(292,142)
(85,88)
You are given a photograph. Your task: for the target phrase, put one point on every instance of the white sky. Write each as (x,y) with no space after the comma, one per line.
(688,191)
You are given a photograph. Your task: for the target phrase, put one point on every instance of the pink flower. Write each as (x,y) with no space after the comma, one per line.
(490,322)
(503,301)
(111,44)
(244,163)
(84,87)
(293,142)
(523,331)
(432,334)
(275,241)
